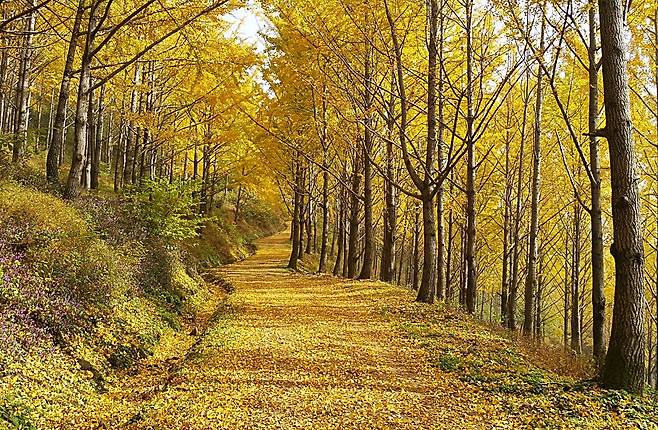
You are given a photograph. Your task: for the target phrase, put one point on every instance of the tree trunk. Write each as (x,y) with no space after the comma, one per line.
(354,220)
(368,245)
(449,256)
(471,273)
(98,141)
(23,88)
(4,62)
(81,114)
(427,289)
(292,262)
(416,251)
(57,143)
(504,288)
(518,215)
(576,338)
(341,240)
(531,275)
(91,141)
(655,33)
(598,293)
(440,239)
(131,133)
(325,214)
(387,270)
(37,133)
(302,208)
(624,365)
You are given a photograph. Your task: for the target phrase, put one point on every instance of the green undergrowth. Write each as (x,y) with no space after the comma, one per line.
(519,377)
(88,291)
(223,241)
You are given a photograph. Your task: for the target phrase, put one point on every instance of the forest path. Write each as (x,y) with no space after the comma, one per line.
(307,352)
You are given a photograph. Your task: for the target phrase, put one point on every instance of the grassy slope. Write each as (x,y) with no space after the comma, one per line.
(84,305)
(523,385)
(517,383)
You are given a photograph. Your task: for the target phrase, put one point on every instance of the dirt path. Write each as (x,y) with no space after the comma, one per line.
(303,352)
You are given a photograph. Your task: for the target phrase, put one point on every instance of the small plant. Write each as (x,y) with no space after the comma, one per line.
(449,362)
(14,415)
(164,210)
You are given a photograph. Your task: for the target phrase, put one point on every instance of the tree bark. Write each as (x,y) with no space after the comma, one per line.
(576,338)
(131,134)
(57,142)
(341,239)
(624,365)
(531,275)
(440,238)
(98,140)
(518,215)
(471,273)
(325,215)
(368,245)
(387,270)
(81,114)
(292,262)
(507,197)
(598,293)
(416,251)
(354,219)
(23,88)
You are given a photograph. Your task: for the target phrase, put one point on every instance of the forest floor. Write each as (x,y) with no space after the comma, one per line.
(294,351)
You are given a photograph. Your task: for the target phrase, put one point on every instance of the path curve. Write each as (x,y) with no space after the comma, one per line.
(305,352)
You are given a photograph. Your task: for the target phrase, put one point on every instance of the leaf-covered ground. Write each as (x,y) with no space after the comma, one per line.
(293,351)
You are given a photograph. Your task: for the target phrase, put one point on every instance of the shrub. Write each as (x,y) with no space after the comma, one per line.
(164,210)
(57,245)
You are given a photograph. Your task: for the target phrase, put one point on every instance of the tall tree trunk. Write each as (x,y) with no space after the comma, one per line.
(655,33)
(369,245)
(120,156)
(427,289)
(292,262)
(341,239)
(416,251)
(81,114)
(98,140)
(325,213)
(4,62)
(387,270)
(302,209)
(354,219)
(37,134)
(57,143)
(507,197)
(598,293)
(567,293)
(518,215)
(131,144)
(531,275)
(51,119)
(624,365)
(23,88)
(91,141)
(440,238)
(576,338)
(449,256)
(471,273)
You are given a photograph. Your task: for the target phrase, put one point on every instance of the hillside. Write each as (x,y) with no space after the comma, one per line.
(89,291)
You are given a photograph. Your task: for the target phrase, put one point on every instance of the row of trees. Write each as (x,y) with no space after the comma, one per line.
(456,148)
(450,146)
(122,92)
